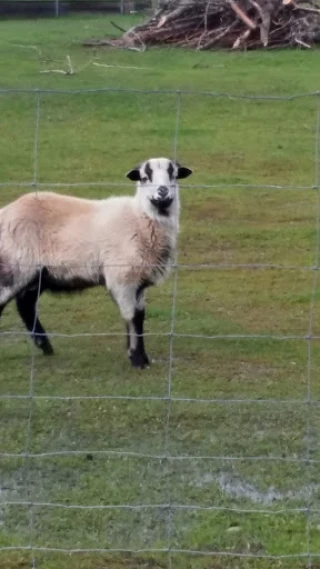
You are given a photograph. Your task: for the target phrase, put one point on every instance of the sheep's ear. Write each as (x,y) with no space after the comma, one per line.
(134,175)
(183,172)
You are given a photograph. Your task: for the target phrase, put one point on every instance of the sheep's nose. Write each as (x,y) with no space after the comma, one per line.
(163,192)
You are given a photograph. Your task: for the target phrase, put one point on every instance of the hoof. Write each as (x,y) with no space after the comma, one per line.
(146,360)
(139,361)
(44,345)
(47,349)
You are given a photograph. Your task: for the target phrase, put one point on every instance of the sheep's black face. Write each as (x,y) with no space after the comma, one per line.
(157,182)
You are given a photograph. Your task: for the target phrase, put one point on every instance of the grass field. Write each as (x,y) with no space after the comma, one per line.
(98,137)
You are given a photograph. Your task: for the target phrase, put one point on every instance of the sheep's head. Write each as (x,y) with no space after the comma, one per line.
(157,185)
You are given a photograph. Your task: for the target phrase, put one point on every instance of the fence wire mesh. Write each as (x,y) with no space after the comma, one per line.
(169,507)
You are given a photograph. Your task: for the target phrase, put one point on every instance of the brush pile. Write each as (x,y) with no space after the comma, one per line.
(236,24)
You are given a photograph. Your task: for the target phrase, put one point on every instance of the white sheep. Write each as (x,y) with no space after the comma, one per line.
(64,244)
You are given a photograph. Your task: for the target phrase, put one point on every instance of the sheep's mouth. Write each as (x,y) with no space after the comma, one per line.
(161,205)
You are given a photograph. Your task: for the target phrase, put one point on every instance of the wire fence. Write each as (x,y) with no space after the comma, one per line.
(169,507)
(64,7)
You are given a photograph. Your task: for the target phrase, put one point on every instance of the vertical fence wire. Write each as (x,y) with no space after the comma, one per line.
(36,140)
(32,359)
(170,371)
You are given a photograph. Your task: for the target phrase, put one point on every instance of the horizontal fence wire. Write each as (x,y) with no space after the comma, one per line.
(173,550)
(162,457)
(137,507)
(223,95)
(124,184)
(159,399)
(189,266)
(175,335)
(170,506)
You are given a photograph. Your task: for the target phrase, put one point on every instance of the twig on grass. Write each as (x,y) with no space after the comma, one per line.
(118,66)
(69,71)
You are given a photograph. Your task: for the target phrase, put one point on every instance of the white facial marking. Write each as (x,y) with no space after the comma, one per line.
(158,188)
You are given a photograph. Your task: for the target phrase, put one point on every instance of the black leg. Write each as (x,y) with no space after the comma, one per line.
(128,337)
(131,305)
(2,308)
(138,355)
(26,305)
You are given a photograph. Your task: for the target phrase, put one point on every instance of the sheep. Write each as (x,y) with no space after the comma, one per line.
(59,243)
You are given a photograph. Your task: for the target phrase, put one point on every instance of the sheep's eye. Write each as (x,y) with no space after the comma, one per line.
(144,179)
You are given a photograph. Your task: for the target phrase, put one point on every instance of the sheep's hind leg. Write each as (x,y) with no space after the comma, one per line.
(133,313)
(6,294)
(26,304)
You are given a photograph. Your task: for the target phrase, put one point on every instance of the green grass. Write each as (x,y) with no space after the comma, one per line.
(98,137)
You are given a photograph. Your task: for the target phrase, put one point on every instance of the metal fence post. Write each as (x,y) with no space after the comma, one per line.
(57,7)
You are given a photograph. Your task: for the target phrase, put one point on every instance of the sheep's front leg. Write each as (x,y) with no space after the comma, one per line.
(136,349)
(132,310)
(138,319)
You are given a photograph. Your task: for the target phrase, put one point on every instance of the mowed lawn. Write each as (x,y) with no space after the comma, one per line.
(228,451)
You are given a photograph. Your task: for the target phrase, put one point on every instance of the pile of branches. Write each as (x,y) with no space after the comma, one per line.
(236,24)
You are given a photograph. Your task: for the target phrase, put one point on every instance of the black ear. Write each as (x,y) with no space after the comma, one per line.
(183,172)
(134,175)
